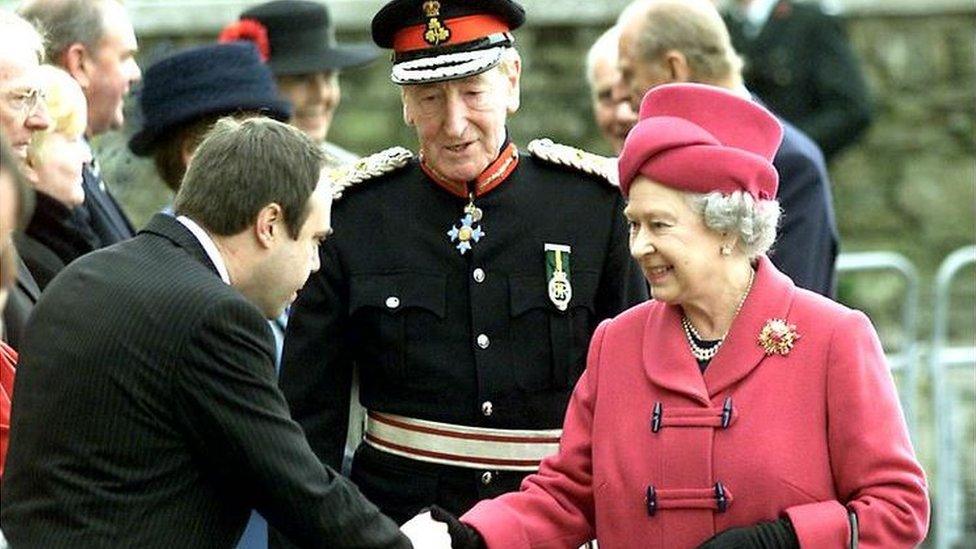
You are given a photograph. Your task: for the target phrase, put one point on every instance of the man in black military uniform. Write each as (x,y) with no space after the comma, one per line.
(798,61)
(463,283)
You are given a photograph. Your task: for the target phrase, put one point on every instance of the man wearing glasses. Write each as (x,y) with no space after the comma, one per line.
(22,113)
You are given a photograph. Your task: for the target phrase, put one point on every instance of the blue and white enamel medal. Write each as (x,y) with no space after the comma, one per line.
(468,232)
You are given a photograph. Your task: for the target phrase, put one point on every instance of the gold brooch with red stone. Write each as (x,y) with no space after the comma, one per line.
(778,337)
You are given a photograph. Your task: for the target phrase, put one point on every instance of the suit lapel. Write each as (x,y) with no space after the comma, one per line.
(667,359)
(26,282)
(771,297)
(105,215)
(169,228)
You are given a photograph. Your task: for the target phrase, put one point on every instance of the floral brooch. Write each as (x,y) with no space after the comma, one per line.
(777,337)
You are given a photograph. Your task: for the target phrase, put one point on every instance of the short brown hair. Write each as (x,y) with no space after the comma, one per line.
(67,22)
(242,166)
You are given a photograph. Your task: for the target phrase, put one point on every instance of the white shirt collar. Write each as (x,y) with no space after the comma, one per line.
(208,246)
(756,13)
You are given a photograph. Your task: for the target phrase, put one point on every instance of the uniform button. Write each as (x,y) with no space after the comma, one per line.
(486,478)
(479,275)
(483,341)
(486,408)
(392,302)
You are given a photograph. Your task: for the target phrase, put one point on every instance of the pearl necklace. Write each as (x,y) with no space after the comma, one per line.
(703,354)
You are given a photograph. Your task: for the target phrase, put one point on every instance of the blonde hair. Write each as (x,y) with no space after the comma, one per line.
(66,105)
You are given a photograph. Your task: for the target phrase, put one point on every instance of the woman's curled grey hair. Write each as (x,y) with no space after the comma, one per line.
(752,221)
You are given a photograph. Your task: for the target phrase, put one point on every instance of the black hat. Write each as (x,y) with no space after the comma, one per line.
(298,38)
(437,40)
(203,81)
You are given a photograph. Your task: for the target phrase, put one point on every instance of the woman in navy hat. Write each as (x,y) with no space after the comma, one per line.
(184,94)
(297,39)
(734,410)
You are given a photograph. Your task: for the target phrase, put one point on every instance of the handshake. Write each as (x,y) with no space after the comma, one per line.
(435,528)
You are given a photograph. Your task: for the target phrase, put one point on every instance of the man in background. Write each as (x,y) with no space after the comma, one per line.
(613,112)
(94,42)
(664,41)
(22,113)
(799,62)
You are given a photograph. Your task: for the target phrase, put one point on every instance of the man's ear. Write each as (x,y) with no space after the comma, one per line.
(77,62)
(514,91)
(265,230)
(677,66)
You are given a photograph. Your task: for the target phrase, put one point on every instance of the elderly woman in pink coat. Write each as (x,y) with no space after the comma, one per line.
(734,409)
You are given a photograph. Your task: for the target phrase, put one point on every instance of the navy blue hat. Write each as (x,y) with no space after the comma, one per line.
(204,81)
(299,37)
(438,40)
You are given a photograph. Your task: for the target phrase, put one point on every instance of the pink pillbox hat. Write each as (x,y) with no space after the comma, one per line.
(699,138)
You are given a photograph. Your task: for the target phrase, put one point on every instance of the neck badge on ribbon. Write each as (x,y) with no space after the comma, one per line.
(557,275)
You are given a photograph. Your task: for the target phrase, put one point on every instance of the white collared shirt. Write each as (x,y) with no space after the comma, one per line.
(754,16)
(208,246)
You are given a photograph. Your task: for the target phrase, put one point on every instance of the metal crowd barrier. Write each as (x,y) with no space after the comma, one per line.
(905,360)
(948,504)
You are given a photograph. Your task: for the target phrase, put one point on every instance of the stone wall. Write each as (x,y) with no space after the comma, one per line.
(908,186)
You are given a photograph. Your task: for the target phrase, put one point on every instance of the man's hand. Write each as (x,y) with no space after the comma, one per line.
(426,533)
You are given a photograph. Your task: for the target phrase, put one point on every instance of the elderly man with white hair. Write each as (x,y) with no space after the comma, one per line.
(612,110)
(463,282)
(22,114)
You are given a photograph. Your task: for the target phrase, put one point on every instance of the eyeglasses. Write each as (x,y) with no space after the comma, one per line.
(25,101)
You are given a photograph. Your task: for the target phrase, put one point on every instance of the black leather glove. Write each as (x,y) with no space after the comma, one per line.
(776,534)
(462,535)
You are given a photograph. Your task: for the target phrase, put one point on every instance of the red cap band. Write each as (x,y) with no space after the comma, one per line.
(462,29)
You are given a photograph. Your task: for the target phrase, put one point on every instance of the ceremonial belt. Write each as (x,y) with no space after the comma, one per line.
(460,445)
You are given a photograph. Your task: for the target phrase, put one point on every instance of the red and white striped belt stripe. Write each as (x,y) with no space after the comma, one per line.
(460,445)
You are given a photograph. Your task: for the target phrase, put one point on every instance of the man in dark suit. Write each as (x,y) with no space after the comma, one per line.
(798,61)
(665,41)
(103,62)
(147,413)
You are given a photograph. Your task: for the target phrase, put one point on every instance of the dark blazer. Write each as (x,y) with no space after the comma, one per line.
(20,301)
(807,243)
(147,415)
(802,66)
(53,238)
(101,211)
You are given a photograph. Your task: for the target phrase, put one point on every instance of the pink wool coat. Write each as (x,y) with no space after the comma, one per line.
(810,434)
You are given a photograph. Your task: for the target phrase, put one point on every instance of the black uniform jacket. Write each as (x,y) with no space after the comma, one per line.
(803,67)
(470,339)
(147,415)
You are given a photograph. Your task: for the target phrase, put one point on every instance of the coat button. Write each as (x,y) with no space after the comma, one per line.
(486,478)
(392,302)
(478,275)
(483,341)
(486,408)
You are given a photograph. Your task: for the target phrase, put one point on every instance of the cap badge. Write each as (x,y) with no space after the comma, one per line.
(468,232)
(436,32)
(778,337)
(557,275)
